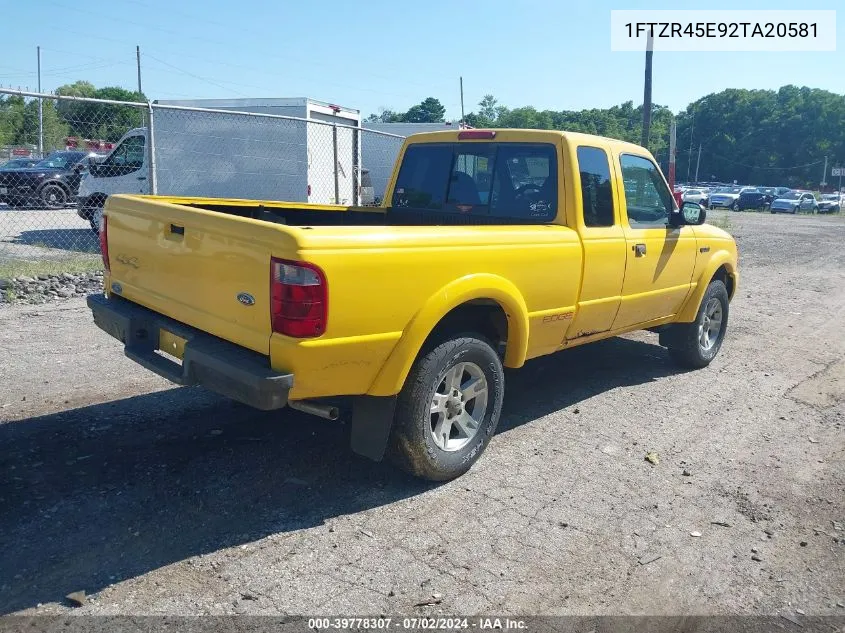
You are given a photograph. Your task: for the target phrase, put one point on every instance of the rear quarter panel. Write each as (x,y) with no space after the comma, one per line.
(390,284)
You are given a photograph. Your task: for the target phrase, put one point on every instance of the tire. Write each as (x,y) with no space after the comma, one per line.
(53,196)
(687,344)
(735,206)
(427,403)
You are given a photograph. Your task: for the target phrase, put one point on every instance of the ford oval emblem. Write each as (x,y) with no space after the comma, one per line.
(246,299)
(116,288)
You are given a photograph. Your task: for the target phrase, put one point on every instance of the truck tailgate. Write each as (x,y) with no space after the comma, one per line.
(205,269)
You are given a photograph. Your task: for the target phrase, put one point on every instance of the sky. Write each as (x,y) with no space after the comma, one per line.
(384,54)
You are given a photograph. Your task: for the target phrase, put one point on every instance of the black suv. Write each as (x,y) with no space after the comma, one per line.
(51,183)
(760,198)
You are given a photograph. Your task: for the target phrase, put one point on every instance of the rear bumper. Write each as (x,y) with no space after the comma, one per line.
(218,365)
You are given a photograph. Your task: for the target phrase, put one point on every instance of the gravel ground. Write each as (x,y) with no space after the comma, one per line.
(44,288)
(158,500)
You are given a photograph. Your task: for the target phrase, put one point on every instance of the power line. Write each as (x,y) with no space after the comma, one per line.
(190,74)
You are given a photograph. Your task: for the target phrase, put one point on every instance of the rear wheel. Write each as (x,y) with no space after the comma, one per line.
(735,206)
(694,345)
(54,196)
(448,409)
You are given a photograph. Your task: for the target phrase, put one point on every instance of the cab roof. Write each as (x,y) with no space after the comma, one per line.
(511,135)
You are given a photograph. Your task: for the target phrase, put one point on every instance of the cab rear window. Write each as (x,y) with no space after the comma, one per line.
(505,180)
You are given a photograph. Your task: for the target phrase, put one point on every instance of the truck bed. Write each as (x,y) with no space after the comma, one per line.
(207,264)
(293,214)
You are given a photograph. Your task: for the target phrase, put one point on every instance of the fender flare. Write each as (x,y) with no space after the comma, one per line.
(471,287)
(689,311)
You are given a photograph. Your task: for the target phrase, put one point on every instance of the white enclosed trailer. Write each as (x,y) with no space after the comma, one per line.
(260,156)
(298,150)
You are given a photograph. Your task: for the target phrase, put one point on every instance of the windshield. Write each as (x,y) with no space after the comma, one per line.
(722,190)
(830,196)
(60,161)
(791,195)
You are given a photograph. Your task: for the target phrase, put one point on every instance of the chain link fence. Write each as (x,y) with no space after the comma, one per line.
(64,159)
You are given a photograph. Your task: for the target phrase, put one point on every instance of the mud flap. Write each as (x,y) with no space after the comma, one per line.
(372,419)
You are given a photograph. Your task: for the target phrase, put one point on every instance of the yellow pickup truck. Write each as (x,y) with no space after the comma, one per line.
(493,247)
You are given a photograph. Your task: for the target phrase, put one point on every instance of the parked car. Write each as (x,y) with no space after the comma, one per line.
(19,163)
(696,195)
(458,284)
(725,197)
(830,203)
(793,202)
(754,199)
(52,182)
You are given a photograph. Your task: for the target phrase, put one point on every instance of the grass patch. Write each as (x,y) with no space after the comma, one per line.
(25,268)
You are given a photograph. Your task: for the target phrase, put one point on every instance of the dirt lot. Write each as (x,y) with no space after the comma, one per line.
(160,500)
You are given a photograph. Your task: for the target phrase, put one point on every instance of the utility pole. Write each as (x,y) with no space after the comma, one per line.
(462,100)
(824,173)
(691,130)
(40,110)
(138,58)
(672,132)
(698,162)
(649,52)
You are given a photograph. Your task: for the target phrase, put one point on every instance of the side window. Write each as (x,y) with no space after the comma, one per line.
(596,192)
(128,154)
(135,151)
(647,198)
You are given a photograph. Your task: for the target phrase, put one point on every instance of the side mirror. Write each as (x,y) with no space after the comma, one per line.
(79,167)
(693,213)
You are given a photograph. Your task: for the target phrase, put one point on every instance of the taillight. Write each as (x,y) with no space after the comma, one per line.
(298,298)
(104,241)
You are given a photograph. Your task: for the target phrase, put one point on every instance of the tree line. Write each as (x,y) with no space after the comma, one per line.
(63,119)
(765,137)
(761,137)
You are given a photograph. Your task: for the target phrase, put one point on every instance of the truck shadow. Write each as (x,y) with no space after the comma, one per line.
(78,240)
(103,493)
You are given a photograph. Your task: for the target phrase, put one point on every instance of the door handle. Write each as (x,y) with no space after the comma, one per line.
(142,177)
(177,230)
(639,250)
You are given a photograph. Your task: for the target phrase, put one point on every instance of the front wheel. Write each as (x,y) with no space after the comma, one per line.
(694,345)
(448,409)
(54,196)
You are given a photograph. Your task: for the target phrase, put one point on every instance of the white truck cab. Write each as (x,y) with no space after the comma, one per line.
(124,170)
